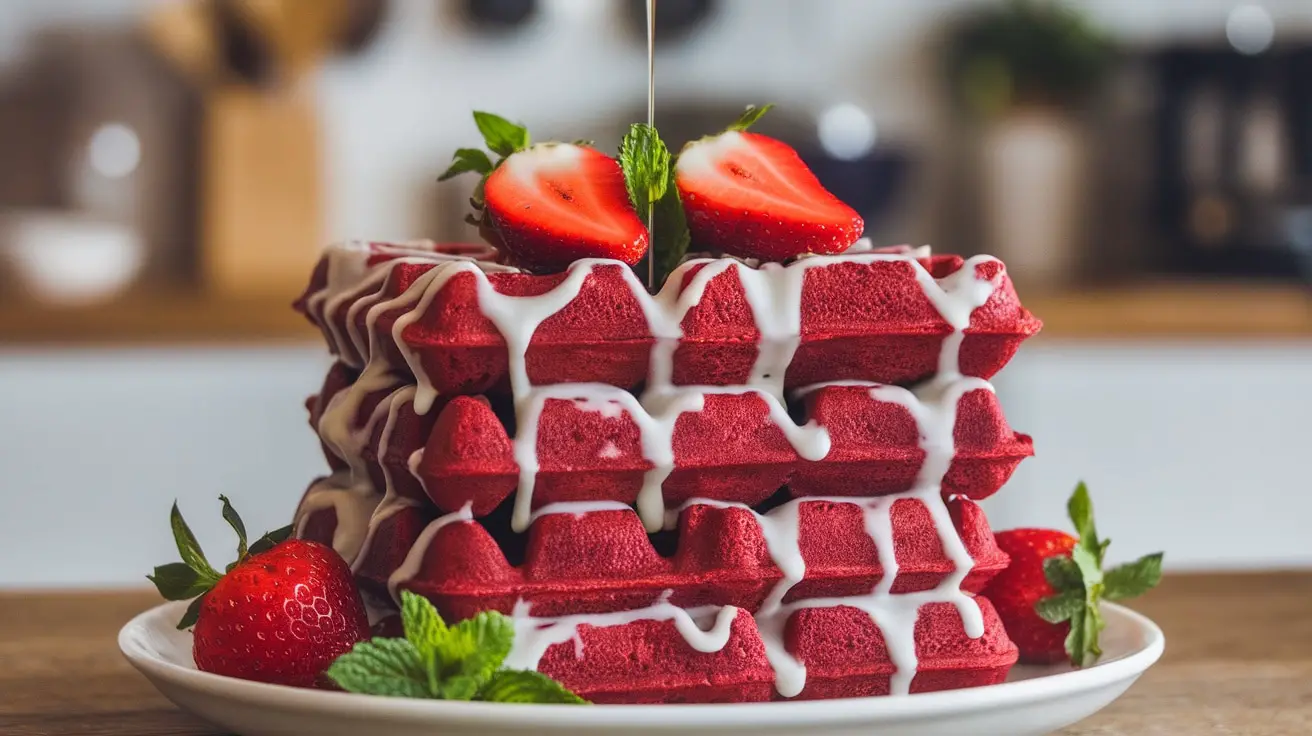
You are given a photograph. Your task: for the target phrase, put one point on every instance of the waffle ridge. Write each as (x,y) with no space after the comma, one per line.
(485,426)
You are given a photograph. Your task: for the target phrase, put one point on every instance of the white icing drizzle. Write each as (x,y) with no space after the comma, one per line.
(774,295)
(352,509)
(577,508)
(534,636)
(414,558)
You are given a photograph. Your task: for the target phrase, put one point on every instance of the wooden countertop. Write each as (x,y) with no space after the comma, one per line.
(1238,661)
(1187,310)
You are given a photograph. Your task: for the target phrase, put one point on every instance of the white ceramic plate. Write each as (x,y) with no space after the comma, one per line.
(1035,700)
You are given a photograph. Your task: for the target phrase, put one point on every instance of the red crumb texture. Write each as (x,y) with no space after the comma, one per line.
(720,558)
(730,451)
(866,321)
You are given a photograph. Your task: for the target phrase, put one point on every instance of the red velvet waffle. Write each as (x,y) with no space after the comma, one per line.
(859,320)
(720,559)
(843,649)
(731,451)
(781,517)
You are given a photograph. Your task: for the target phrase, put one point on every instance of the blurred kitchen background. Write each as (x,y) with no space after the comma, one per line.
(168,171)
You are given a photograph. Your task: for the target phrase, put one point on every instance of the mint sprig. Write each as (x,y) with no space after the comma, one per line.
(645,161)
(649,176)
(194,577)
(440,662)
(1082,585)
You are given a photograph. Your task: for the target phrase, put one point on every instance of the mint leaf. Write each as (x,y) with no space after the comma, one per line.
(234,521)
(1061,607)
(389,667)
(671,240)
(466,160)
(645,161)
(188,547)
(177,581)
(270,540)
(424,627)
(526,687)
(749,117)
(191,615)
(1134,578)
(1063,574)
(471,651)
(443,662)
(502,136)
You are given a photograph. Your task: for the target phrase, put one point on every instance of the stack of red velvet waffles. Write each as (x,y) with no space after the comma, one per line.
(722,492)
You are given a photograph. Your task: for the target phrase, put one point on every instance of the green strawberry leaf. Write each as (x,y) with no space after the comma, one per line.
(1134,578)
(645,161)
(1061,607)
(177,581)
(234,520)
(1063,574)
(1090,571)
(1080,510)
(749,117)
(526,687)
(271,540)
(1081,644)
(390,667)
(188,547)
(501,136)
(191,615)
(466,160)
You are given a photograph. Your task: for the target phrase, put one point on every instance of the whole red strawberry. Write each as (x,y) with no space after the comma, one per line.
(1050,595)
(1016,590)
(282,613)
(750,195)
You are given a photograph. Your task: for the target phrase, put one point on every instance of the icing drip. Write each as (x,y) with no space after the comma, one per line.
(391,503)
(352,509)
(577,508)
(534,636)
(774,294)
(414,559)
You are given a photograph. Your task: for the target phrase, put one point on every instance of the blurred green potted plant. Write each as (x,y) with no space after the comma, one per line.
(1023,69)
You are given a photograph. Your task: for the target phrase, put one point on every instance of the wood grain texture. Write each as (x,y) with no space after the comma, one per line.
(1238,662)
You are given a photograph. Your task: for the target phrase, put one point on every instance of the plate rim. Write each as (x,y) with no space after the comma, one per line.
(778,713)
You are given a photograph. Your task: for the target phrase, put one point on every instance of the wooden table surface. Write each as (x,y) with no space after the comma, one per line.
(1238,662)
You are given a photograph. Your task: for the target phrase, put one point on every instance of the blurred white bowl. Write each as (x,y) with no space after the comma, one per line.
(70,260)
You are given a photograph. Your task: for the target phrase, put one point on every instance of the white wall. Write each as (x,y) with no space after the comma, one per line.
(394,114)
(1199,450)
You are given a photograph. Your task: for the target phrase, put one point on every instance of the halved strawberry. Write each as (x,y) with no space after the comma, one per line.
(548,205)
(750,195)
(555,203)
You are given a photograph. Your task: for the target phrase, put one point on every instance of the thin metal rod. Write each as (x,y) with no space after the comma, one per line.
(651,122)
